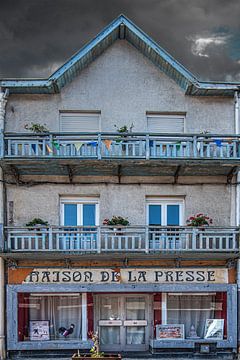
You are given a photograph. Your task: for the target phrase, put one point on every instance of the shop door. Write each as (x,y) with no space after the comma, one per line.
(123,322)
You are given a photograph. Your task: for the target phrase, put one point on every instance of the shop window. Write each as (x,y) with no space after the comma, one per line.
(49,317)
(197,312)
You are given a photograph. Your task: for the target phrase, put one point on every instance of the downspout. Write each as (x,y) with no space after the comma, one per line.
(237,205)
(3,103)
(236,119)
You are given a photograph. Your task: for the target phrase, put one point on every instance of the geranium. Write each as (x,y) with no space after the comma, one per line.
(199,220)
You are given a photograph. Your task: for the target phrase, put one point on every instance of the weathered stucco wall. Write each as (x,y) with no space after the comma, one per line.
(125,200)
(123,84)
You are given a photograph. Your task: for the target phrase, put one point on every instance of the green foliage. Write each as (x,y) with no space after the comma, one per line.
(36,128)
(116,220)
(199,220)
(37,221)
(95,350)
(124,129)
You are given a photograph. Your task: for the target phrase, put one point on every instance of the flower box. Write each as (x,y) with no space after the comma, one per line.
(89,357)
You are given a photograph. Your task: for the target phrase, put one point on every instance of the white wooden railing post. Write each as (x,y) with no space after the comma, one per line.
(195,146)
(99,148)
(194,239)
(147,147)
(50,238)
(99,239)
(146,240)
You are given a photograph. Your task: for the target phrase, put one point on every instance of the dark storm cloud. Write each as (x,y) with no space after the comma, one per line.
(37,36)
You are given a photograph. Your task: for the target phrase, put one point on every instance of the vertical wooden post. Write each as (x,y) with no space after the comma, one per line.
(147,147)
(99,152)
(98,239)
(146,240)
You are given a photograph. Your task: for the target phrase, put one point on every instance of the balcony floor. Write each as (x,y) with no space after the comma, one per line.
(116,256)
(120,167)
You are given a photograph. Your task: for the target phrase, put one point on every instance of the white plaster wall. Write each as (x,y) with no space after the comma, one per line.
(125,200)
(123,84)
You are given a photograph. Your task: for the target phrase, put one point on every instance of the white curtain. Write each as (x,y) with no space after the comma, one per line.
(60,311)
(135,310)
(190,310)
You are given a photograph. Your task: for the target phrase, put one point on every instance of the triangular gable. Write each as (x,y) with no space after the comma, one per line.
(121,28)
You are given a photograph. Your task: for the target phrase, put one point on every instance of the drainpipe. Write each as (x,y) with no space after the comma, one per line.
(3,103)
(236,119)
(237,202)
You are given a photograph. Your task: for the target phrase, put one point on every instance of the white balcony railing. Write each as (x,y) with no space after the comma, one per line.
(104,239)
(112,145)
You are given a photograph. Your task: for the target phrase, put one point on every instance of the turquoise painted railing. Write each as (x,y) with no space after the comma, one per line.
(104,239)
(121,146)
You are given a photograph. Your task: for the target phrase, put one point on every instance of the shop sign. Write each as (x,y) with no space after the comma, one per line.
(127,276)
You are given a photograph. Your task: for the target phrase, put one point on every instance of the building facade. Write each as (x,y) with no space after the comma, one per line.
(121,130)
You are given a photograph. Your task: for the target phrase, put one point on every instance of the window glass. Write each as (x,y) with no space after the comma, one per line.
(204,315)
(155,214)
(49,317)
(89,214)
(172,215)
(70,214)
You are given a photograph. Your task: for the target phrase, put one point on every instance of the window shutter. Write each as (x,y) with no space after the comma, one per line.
(165,124)
(76,122)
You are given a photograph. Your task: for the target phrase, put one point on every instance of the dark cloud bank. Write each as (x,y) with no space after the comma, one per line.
(37,36)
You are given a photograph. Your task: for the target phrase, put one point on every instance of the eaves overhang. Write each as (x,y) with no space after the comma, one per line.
(120,28)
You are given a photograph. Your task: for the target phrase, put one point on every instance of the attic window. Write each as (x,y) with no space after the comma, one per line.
(71,121)
(165,123)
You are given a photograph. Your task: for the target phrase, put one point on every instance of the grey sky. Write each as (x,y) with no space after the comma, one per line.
(37,36)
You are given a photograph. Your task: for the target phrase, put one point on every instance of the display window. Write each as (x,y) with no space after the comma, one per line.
(190,316)
(52,316)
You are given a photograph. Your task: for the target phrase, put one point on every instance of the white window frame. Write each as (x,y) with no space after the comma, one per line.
(167,116)
(79,113)
(79,202)
(164,202)
(165,303)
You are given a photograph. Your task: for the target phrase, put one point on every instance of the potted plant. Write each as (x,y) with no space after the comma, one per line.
(37,224)
(95,352)
(123,131)
(36,128)
(199,220)
(118,222)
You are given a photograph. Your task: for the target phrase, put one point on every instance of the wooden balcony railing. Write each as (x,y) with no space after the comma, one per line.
(104,239)
(121,146)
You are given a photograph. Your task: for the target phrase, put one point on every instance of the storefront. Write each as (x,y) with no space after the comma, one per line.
(133,309)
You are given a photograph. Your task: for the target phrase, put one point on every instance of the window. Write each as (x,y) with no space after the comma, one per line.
(79,216)
(79,212)
(164,124)
(49,316)
(80,121)
(193,310)
(164,212)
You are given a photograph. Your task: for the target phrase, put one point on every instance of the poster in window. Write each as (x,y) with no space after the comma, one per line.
(214,329)
(39,330)
(170,332)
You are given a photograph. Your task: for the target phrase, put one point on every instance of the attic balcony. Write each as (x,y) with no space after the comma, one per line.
(125,241)
(114,154)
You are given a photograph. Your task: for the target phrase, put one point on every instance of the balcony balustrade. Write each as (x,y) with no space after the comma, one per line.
(129,239)
(119,146)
